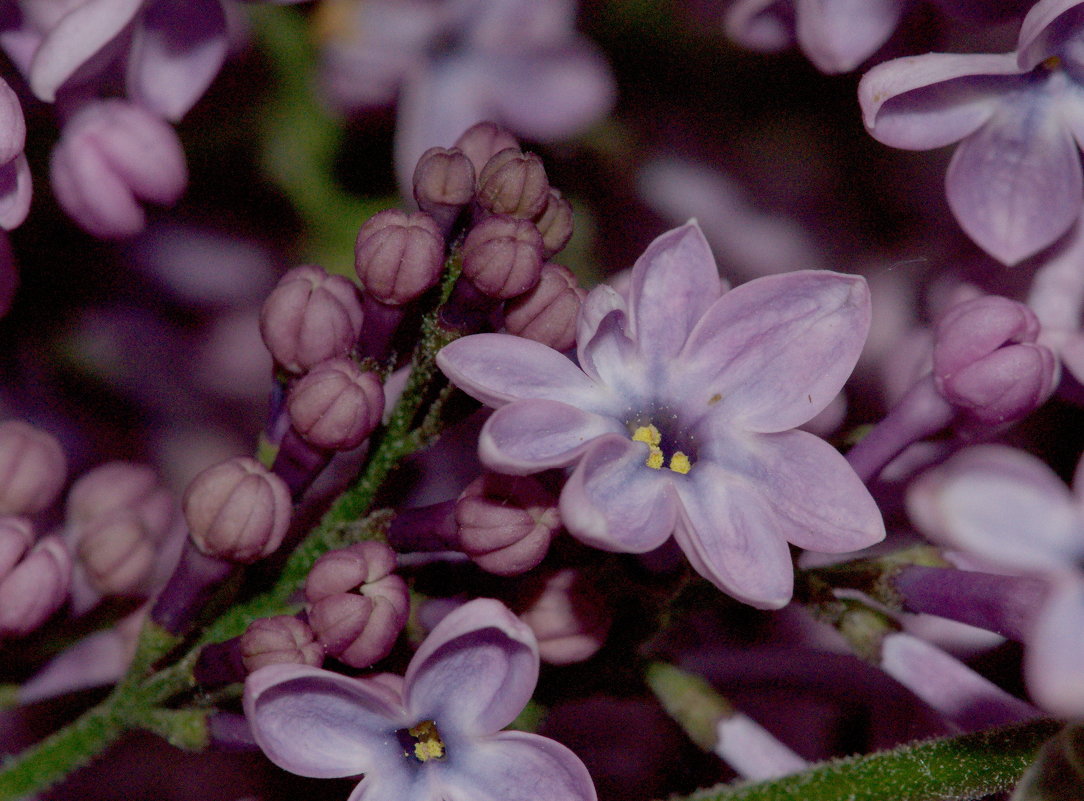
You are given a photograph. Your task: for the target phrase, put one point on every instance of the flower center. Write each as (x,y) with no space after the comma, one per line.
(422,742)
(656,456)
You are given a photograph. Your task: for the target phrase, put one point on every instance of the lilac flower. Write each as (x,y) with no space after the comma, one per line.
(679,420)
(439,737)
(1014,182)
(1011,511)
(456,62)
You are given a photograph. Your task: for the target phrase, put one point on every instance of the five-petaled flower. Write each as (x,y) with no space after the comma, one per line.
(679,417)
(435,738)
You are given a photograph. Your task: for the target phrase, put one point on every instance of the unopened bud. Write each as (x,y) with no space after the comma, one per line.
(548,312)
(32,468)
(16,538)
(514,183)
(444,184)
(358,605)
(280,640)
(398,256)
(569,618)
(117,554)
(987,362)
(310,316)
(554,222)
(506,523)
(237,510)
(35,588)
(121,485)
(336,405)
(502,256)
(112,156)
(482,141)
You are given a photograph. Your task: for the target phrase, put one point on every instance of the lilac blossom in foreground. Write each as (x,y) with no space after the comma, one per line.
(680,420)
(1014,182)
(456,62)
(439,736)
(1010,510)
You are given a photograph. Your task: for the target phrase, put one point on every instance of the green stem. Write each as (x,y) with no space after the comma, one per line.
(952,769)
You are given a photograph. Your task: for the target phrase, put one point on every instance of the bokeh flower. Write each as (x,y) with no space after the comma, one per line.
(678,419)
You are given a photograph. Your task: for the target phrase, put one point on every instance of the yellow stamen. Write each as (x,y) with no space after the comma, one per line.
(655,458)
(680,463)
(428,745)
(648,434)
(1052,63)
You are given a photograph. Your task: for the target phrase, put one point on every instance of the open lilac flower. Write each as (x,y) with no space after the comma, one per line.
(1010,510)
(438,739)
(1014,182)
(678,419)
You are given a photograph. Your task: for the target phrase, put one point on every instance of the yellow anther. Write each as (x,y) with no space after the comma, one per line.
(655,459)
(428,745)
(1052,63)
(680,463)
(648,434)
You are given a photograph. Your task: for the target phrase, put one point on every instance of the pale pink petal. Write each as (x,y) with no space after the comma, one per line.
(733,537)
(534,435)
(76,39)
(316,723)
(772,353)
(1040,36)
(518,766)
(474,672)
(177,49)
(838,35)
(922,102)
(500,368)
(16,187)
(1055,651)
(615,502)
(1015,184)
(765,25)
(674,283)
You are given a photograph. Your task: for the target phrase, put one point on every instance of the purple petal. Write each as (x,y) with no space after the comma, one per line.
(1015,185)
(674,283)
(615,502)
(177,50)
(838,35)
(533,435)
(1001,504)
(77,38)
(553,94)
(612,359)
(809,483)
(1042,33)
(765,25)
(600,302)
(518,766)
(12,124)
(16,187)
(474,672)
(1055,651)
(316,723)
(774,352)
(501,368)
(733,537)
(922,102)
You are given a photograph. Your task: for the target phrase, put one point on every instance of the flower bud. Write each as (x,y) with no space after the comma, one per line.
(568,616)
(482,141)
(554,222)
(514,183)
(16,538)
(277,641)
(116,486)
(336,405)
(502,256)
(15,181)
(237,510)
(987,362)
(359,628)
(117,554)
(548,312)
(310,316)
(398,256)
(443,184)
(506,522)
(32,468)
(35,588)
(111,156)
